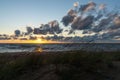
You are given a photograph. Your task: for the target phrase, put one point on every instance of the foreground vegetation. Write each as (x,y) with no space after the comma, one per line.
(73,65)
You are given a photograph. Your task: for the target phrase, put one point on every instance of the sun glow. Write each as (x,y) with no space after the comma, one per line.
(40,40)
(38,49)
(37,41)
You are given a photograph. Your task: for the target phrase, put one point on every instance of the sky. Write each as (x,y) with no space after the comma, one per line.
(16,14)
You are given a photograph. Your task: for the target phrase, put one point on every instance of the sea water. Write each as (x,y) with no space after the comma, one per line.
(97,47)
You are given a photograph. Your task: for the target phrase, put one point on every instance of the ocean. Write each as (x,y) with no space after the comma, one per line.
(95,47)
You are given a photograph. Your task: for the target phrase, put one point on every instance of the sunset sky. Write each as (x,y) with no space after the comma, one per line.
(16,14)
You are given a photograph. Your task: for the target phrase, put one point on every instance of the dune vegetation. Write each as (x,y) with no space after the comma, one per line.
(71,65)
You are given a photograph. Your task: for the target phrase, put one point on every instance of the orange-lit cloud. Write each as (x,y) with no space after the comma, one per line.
(27,41)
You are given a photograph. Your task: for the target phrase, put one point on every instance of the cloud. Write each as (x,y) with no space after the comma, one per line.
(76,4)
(67,19)
(51,27)
(87,18)
(29,30)
(71,32)
(117,21)
(111,34)
(97,21)
(102,6)
(54,27)
(106,23)
(98,17)
(76,21)
(81,24)
(72,12)
(17,32)
(88,7)
(102,9)
(102,25)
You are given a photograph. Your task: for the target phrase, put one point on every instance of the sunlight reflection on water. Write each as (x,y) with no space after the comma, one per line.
(38,49)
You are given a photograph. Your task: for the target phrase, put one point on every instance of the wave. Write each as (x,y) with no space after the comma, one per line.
(59,47)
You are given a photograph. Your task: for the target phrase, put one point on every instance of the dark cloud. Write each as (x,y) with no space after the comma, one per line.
(50,28)
(81,24)
(54,27)
(76,21)
(114,27)
(87,7)
(86,32)
(112,15)
(98,17)
(71,32)
(29,30)
(100,20)
(102,25)
(36,31)
(72,12)
(44,29)
(17,32)
(102,9)
(111,34)
(106,23)
(66,20)
(117,20)
(116,23)
(91,18)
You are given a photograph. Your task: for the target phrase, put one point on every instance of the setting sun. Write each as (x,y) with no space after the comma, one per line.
(39,40)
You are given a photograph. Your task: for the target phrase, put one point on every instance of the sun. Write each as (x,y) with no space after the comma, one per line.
(39,40)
